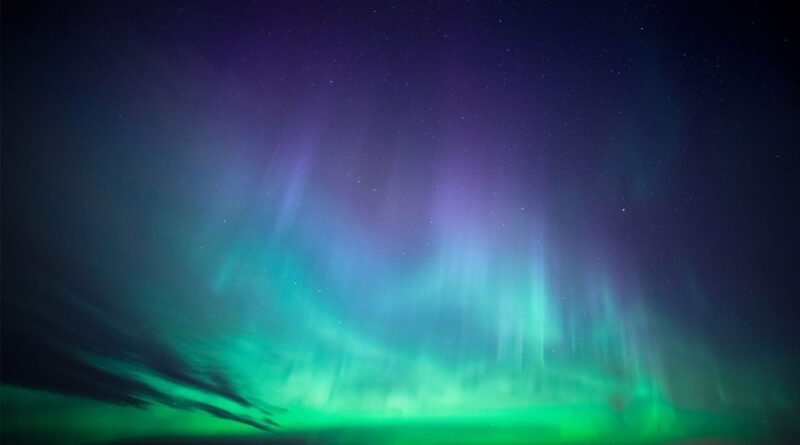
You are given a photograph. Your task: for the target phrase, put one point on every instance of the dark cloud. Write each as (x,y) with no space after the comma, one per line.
(173,368)
(281,440)
(57,327)
(33,362)
(266,425)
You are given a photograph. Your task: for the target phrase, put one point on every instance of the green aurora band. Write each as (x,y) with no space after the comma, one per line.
(234,222)
(472,334)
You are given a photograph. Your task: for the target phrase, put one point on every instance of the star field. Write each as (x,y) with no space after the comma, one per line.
(399,222)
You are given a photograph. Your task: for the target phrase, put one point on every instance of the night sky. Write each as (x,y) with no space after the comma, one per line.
(400,222)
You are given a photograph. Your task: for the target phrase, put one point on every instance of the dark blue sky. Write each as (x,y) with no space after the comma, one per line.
(655,141)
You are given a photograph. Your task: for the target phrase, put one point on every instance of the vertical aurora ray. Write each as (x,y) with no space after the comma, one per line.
(282,227)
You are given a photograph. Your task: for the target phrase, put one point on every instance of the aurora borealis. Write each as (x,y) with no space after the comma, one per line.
(391,223)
